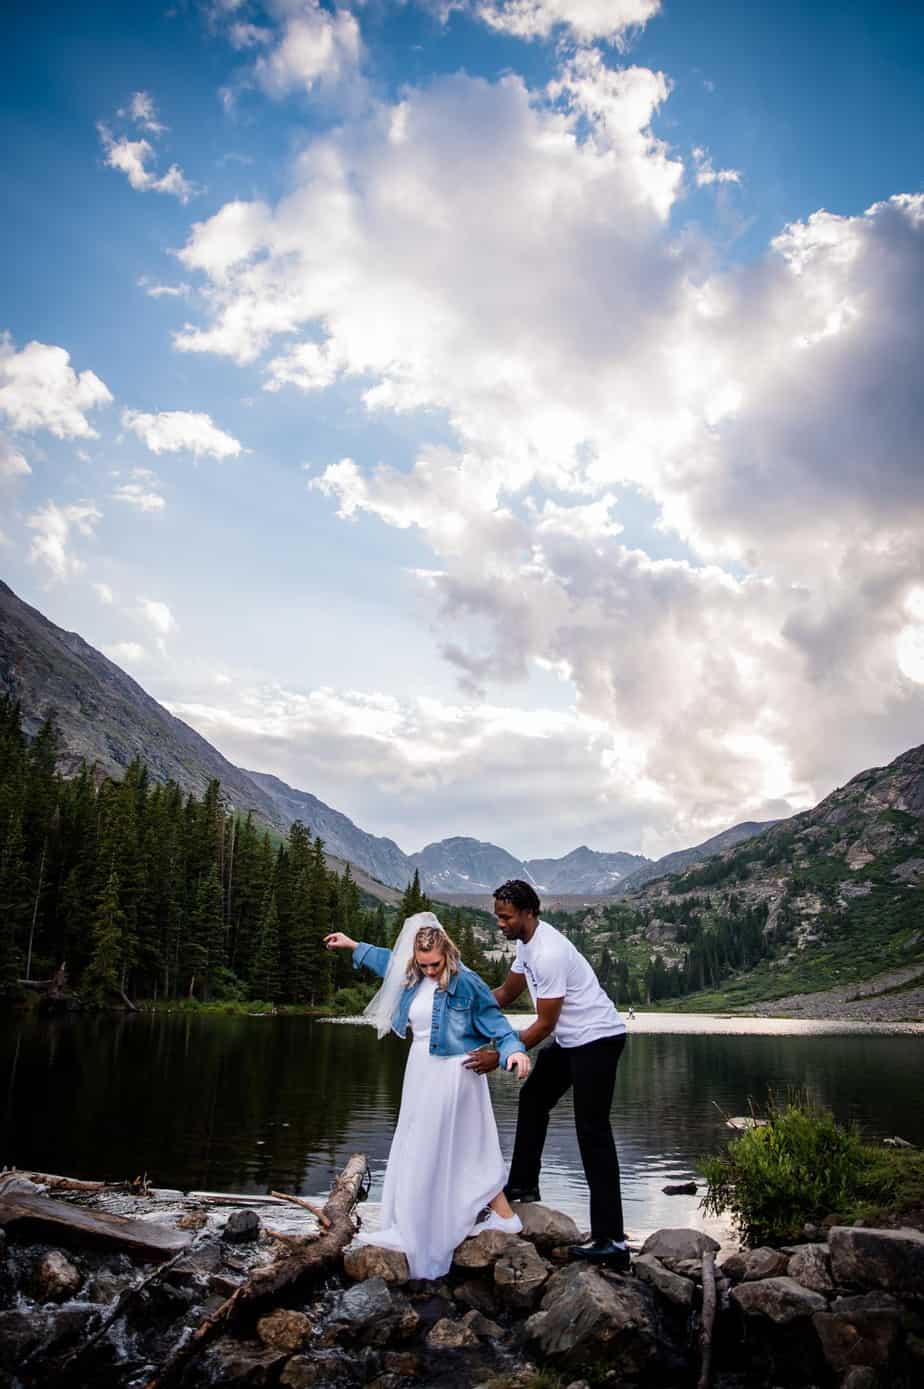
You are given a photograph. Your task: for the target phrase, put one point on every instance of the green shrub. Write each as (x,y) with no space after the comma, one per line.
(351,1001)
(800,1166)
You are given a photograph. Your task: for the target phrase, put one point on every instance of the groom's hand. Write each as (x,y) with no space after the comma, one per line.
(482,1061)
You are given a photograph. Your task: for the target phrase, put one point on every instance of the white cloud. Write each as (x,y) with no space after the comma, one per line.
(315,47)
(587,19)
(104,594)
(12,462)
(181,431)
(506,257)
(39,389)
(155,291)
(139,496)
(131,157)
(157,615)
(130,653)
(53,526)
(142,109)
(706,173)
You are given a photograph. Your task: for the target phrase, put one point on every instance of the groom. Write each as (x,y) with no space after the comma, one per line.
(588,1037)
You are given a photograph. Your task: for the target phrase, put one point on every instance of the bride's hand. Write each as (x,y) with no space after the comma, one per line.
(338,941)
(520,1063)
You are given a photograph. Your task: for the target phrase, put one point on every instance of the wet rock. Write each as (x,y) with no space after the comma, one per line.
(751,1265)
(546,1228)
(810,1265)
(55,1278)
(306,1372)
(860,1331)
(401,1362)
(450,1335)
(680,1189)
(241,1227)
(889,1259)
(223,1284)
(385,1381)
(781,1300)
(374,1314)
(284,1330)
(193,1220)
(673,1286)
(105,1286)
(860,1377)
(243,1362)
(584,1312)
(478,1294)
(480,1252)
(520,1275)
(368,1261)
(205,1258)
(688,1268)
(483,1326)
(670,1245)
(50,1331)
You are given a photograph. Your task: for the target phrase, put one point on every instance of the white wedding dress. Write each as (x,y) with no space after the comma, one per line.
(445,1161)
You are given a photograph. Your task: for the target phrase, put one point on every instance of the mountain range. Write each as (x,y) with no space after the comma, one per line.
(105,717)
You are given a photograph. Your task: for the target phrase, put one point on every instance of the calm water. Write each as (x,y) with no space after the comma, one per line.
(254,1103)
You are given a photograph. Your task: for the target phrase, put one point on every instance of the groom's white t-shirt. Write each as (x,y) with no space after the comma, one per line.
(555,969)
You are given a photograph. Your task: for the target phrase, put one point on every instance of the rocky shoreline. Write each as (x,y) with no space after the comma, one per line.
(843,1308)
(872,1001)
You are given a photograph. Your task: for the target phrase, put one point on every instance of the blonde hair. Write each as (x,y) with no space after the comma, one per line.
(433,938)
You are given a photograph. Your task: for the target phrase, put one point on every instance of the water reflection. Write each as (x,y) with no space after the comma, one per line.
(253,1103)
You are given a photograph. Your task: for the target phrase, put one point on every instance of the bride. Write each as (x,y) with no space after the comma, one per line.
(445,1163)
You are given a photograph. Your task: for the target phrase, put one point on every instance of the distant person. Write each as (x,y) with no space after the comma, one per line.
(445,1163)
(588,1037)
(631,1013)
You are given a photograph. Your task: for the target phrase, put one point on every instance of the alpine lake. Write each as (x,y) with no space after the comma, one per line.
(262,1102)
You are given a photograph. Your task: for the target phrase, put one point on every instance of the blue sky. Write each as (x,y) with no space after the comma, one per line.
(498,418)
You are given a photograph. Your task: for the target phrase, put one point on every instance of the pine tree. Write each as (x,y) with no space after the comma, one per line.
(14,906)
(265,976)
(104,972)
(413,901)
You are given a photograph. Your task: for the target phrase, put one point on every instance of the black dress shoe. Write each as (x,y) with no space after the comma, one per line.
(523,1194)
(603,1251)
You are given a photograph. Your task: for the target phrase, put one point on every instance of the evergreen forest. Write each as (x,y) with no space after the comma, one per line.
(146,894)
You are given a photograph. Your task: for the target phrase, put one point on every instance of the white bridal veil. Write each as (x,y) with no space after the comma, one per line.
(381,1009)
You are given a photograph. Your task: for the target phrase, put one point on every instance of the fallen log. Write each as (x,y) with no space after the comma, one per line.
(313,1256)
(145,1238)
(707,1321)
(56,1183)
(316,1211)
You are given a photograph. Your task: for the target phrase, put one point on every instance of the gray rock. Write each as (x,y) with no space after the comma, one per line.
(447,1334)
(519,1276)
(671,1244)
(546,1228)
(55,1278)
(374,1314)
(243,1362)
(401,1362)
(585,1313)
(781,1300)
(810,1265)
(483,1326)
(303,1372)
(479,1294)
(284,1329)
(241,1227)
(671,1285)
(480,1252)
(751,1265)
(890,1259)
(864,1330)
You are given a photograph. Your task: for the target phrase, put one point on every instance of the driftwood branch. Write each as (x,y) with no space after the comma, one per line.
(708,1320)
(146,1238)
(316,1211)
(313,1256)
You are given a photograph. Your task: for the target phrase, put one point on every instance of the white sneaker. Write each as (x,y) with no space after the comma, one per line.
(510,1225)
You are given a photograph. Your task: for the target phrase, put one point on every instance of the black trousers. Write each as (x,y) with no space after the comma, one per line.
(591,1071)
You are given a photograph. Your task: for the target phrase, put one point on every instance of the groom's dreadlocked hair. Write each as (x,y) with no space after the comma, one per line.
(519,895)
(433,938)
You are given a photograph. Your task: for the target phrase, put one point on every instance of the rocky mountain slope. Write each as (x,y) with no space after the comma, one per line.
(832,896)
(683,858)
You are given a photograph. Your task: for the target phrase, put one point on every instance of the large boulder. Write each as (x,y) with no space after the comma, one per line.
(447,1334)
(519,1276)
(547,1229)
(673,1246)
(810,1265)
(863,1330)
(369,1261)
(673,1286)
(889,1259)
(780,1300)
(241,1227)
(373,1314)
(585,1313)
(482,1251)
(55,1278)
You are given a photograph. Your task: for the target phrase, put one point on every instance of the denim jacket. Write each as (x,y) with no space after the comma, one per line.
(465,1014)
